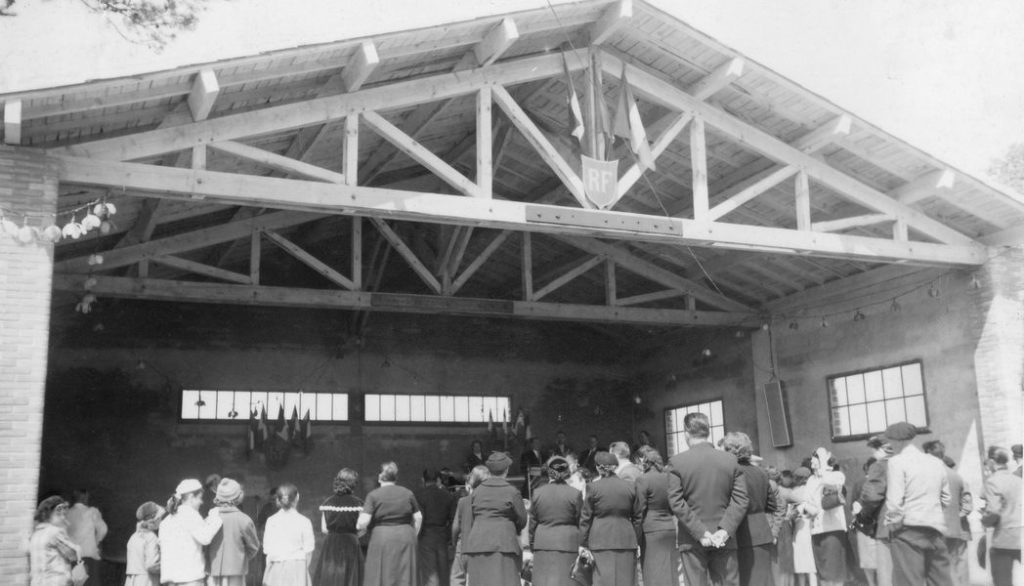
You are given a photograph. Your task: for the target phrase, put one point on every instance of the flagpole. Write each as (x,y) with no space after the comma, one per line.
(601,148)
(592,90)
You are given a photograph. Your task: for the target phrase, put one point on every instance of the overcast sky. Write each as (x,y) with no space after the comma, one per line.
(944,75)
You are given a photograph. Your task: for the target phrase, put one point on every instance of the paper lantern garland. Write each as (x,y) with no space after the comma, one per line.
(97,217)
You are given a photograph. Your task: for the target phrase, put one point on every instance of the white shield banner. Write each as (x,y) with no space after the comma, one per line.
(601,181)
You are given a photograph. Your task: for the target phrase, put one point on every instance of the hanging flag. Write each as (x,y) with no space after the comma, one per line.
(250,429)
(294,429)
(600,181)
(491,429)
(526,424)
(520,426)
(575,112)
(307,433)
(264,426)
(281,426)
(628,125)
(504,423)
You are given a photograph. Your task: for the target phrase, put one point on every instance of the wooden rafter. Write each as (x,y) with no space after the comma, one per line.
(405,252)
(192,266)
(848,222)
(156,289)
(666,94)
(309,260)
(565,278)
(613,18)
(360,66)
(12,122)
(320,198)
(204,93)
(718,79)
(277,162)
(479,261)
(496,42)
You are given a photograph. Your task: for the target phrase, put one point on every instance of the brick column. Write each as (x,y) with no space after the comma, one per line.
(998,326)
(28,186)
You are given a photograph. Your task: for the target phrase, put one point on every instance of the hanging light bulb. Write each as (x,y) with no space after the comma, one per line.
(895,307)
(793,325)
(859,316)
(975,282)
(200,402)
(706,353)
(933,291)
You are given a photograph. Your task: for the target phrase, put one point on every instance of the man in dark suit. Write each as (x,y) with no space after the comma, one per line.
(438,508)
(530,463)
(586,459)
(958,532)
(626,470)
(754,537)
(561,448)
(709,498)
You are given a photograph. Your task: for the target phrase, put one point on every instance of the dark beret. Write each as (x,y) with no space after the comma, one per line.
(605,459)
(877,441)
(498,462)
(901,431)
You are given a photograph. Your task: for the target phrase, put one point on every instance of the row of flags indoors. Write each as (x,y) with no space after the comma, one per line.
(600,177)
(509,430)
(295,432)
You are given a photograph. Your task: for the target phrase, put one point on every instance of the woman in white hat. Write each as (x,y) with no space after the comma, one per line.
(183,534)
(237,543)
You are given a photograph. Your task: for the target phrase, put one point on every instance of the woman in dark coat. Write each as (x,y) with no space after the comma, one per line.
(554,526)
(490,545)
(394,520)
(754,536)
(341,558)
(659,557)
(609,525)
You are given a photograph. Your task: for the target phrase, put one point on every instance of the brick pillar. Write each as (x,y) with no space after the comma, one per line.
(998,322)
(28,186)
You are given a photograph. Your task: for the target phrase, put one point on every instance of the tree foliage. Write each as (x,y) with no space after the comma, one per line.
(149,22)
(1009,170)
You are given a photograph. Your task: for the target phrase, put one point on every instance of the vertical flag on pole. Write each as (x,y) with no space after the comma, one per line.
(629,126)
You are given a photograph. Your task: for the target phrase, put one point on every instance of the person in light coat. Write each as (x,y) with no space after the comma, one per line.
(184,534)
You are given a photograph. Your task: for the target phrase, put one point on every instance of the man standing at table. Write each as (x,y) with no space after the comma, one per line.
(709,498)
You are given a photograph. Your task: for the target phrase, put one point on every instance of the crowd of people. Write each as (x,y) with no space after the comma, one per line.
(617,517)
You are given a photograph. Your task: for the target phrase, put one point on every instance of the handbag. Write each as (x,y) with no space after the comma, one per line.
(582,571)
(526,573)
(989,519)
(79,574)
(830,497)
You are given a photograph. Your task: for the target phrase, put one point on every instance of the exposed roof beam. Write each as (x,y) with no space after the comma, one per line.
(717,80)
(496,42)
(309,260)
(824,135)
(204,93)
(410,257)
(321,110)
(360,66)
(935,183)
(893,277)
(669,96)
(12,122)
(614,17)
(1009,237)
(751,188)
(179,291)
(565,278)
(480,259)
(320,198)
(850,222)
(278,162)
(202,269)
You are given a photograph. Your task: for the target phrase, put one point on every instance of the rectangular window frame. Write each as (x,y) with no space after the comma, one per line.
(863,436)
(298,398)
(669,452)
(448,410)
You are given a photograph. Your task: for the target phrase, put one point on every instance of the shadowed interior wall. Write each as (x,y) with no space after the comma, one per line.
(112,423)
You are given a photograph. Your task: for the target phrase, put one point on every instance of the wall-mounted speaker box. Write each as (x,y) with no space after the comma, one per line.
(778,414)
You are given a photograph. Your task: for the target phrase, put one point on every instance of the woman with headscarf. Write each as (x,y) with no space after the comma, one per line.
(236,543)
(754,539)
(554,526)
(51,552)
(828,519)
(491,543)
(463,521)
(393,518)
(341,558)
(658,552)
(142,557)
(609,525)
(184,534)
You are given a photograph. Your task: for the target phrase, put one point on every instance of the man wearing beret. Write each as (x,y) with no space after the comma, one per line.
(709,497)
(917,492)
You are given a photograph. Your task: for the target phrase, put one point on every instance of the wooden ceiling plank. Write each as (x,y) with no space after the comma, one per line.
(717,79)
(932,184)
(668,95)
(320,110)
(421,154)
(12,122)
(410,257)
(841,224)
(201,269)
(277,162)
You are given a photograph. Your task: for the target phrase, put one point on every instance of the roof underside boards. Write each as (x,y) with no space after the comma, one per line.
(649,40)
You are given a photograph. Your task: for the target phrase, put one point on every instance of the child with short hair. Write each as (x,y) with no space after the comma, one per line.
(143,555)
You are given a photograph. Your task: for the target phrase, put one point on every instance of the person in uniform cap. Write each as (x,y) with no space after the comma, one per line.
(610,524)
(916,493)
(493,553)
